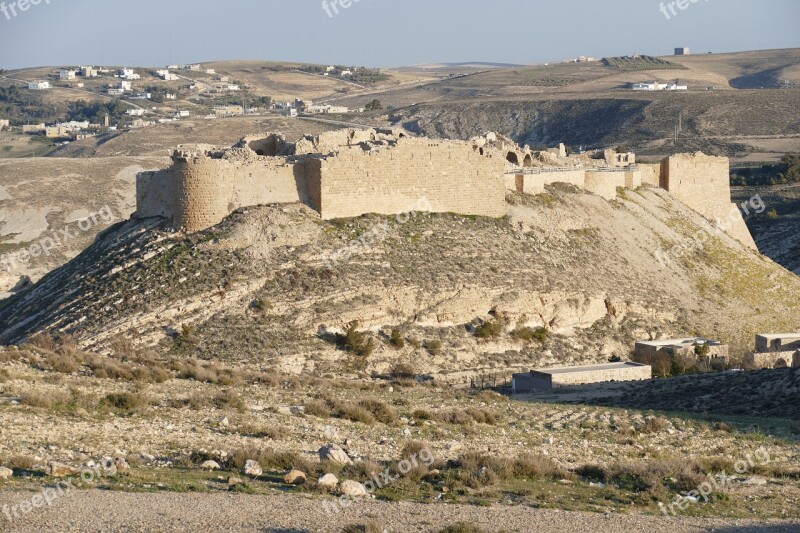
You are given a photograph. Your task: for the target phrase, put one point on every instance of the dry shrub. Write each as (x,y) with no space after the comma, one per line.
(468,416)
(269,459)
(146,371)
(360,470)
(43,341)
(22,462)
(318,408)
(63,364)
(653,424)
(379,409)
(462,527)
(207,372)
(355,413)
(477,470)
(43,400)
(125,401)
(369,527)
(8,356)
(653,476)
(421,414)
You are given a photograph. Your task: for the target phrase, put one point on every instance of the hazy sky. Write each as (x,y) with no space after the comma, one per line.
(381,32)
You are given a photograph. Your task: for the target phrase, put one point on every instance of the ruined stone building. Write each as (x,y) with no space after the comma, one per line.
(777,350)
(348,173)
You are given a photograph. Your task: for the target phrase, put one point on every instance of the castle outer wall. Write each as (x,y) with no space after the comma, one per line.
(203,186)
(446,176)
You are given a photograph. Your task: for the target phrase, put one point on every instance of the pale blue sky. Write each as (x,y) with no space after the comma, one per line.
(381,32)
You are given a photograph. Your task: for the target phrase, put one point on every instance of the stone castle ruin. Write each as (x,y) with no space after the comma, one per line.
(348,173)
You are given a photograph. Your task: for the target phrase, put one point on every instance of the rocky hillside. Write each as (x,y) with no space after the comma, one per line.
(766,393)
(444,295)
(776,230)
(613,118)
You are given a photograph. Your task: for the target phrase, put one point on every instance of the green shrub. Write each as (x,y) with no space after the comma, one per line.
(434,347)
(489,329)
(396,338)
(530,334)
(355,341)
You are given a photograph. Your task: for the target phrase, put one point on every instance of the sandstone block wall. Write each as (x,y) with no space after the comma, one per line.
(703,183)
(651,174)
(604,183)
(448,176)
(155,194)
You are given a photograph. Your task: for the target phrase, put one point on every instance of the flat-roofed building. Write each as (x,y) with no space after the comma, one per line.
(554,378)
(716,350)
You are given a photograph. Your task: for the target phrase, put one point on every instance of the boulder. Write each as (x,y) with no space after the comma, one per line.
(6,473)
(328,481)
(295,477)
(353,489)
(335,454)
(210,465)
(252,468)
(55,469)
(233,480)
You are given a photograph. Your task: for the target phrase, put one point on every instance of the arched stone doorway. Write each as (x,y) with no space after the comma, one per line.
(512,158)
(781,363)
(528,161)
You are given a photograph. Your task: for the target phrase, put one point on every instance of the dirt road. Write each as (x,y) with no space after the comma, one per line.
(115,511)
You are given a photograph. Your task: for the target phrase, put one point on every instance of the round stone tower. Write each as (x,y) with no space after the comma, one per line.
(203,190)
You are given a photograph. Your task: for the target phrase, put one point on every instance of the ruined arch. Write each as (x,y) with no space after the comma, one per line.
(781,363)
(512,158)
(527,161)
(269,146)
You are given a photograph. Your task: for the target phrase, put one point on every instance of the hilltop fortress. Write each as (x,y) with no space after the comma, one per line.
(349,173)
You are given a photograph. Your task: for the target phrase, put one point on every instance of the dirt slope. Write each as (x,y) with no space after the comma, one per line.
(258,287)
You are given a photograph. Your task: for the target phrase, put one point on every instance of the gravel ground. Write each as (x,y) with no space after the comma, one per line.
(115,511)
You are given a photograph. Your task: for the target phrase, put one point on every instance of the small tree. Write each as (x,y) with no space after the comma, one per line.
(374,105)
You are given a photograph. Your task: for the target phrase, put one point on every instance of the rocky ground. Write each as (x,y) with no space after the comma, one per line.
(186,426)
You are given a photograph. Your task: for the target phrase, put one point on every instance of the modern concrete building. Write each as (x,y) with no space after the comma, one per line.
(682,51)
(673,347)
(39,85)
(553,378)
